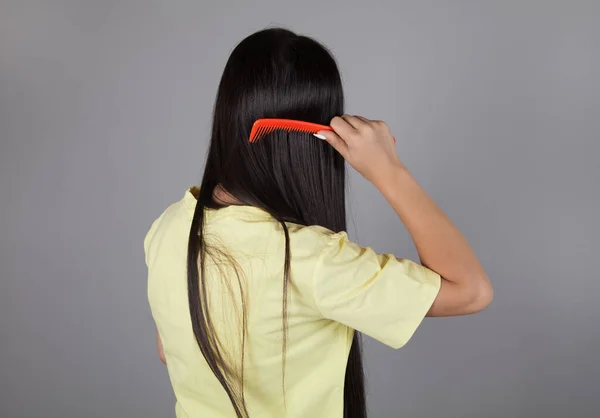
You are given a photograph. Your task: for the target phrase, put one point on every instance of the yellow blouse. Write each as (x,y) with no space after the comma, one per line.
(336,287)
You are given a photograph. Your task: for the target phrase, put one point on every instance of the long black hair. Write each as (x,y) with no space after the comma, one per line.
(273,73)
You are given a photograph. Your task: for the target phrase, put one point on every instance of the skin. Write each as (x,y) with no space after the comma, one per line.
(161,351)
(369,147)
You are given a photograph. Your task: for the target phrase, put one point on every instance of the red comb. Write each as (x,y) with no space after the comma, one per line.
(265,126)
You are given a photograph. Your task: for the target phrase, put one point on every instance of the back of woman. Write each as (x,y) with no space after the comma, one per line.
(256,291)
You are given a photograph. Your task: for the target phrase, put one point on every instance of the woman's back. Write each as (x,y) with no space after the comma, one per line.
(335,287)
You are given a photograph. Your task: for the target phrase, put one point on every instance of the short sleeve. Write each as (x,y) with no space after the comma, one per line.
(381,296)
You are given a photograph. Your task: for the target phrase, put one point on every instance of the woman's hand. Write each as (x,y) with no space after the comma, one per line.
(367,145)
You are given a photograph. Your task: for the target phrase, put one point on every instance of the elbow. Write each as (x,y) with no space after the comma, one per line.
(482,295)
(162,358)
(467,297)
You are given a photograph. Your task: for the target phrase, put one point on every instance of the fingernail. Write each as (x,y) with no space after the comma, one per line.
(320,136)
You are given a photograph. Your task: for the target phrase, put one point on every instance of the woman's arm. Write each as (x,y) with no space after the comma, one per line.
(161,353)
(441,247)
(369,147)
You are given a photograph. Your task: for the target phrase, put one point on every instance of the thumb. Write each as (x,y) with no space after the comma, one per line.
(334,140)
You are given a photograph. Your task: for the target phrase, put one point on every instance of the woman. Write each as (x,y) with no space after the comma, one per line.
(257,293)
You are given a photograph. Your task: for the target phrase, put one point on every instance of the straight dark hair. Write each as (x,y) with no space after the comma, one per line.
(295,177)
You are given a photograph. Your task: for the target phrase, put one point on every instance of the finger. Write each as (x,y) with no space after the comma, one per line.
(365,120)
(384,126)
(335,141)
(342,128)
(355,122)
(380,123)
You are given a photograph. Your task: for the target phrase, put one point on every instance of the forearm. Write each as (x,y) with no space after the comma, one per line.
(440,244)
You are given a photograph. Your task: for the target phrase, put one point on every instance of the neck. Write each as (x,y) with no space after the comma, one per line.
(223,197)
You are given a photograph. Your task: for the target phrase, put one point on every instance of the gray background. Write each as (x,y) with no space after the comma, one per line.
(104,117)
